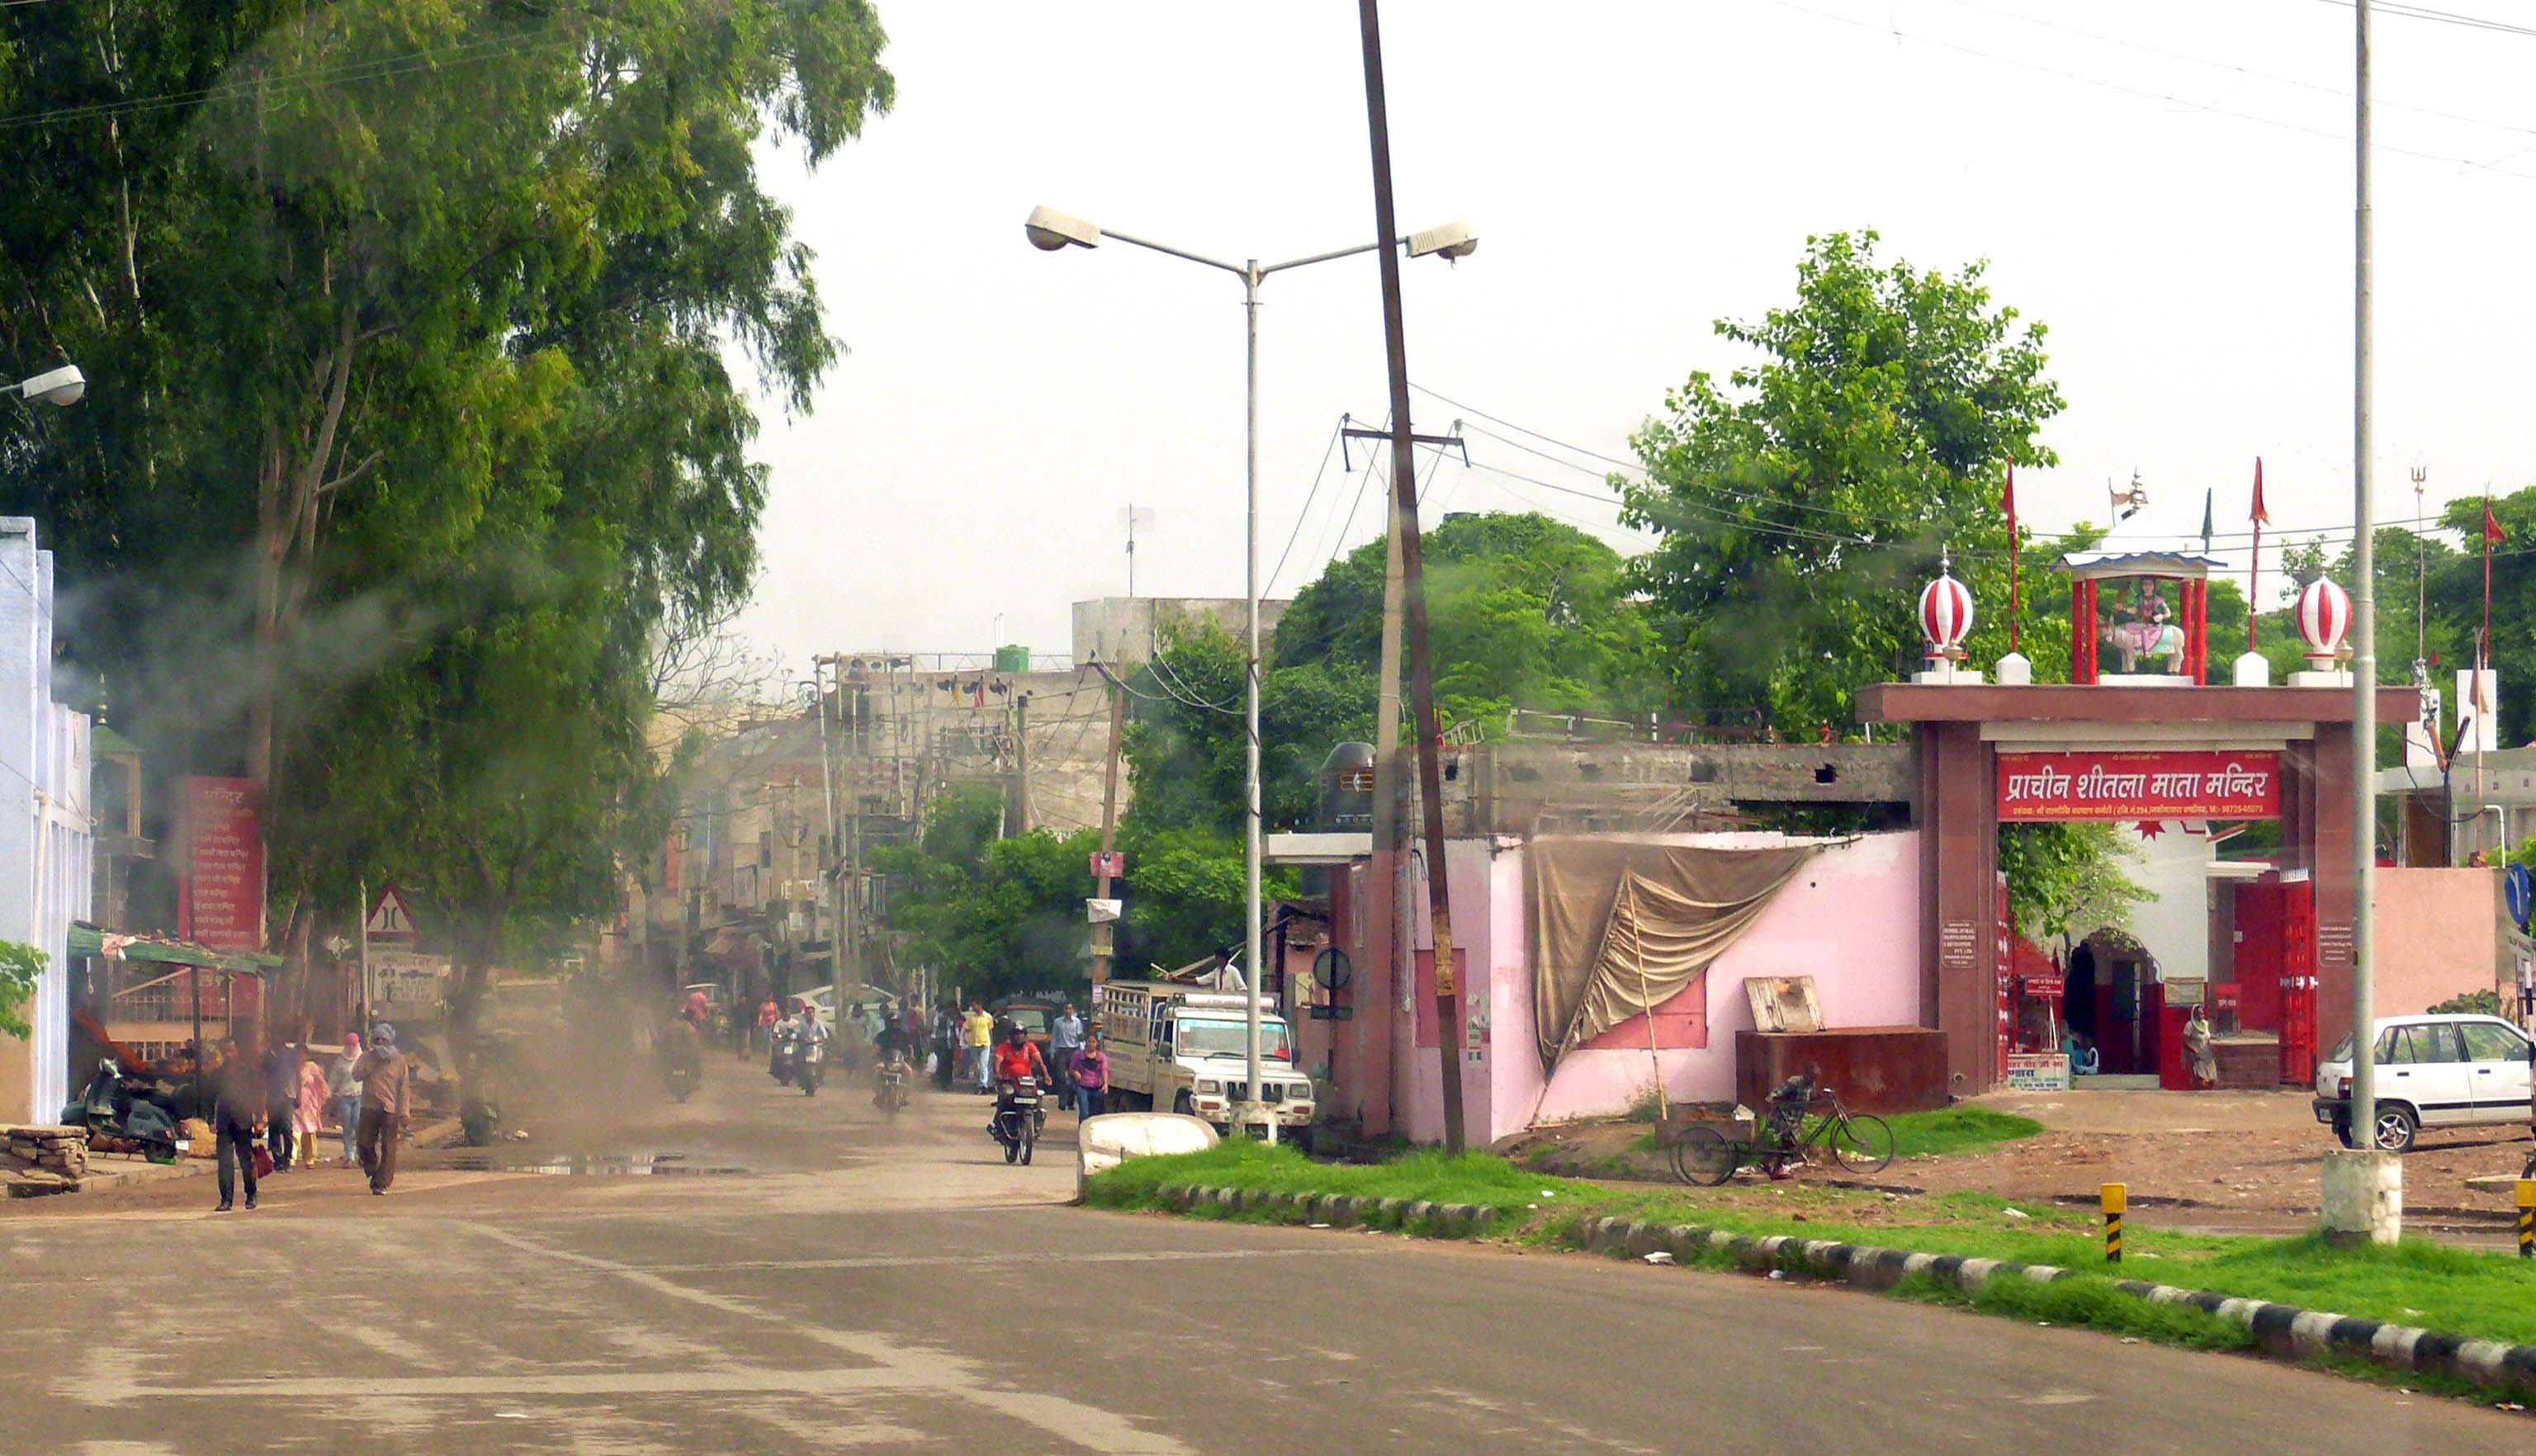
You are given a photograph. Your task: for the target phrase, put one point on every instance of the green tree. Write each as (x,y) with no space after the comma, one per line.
(22,970)
(1526,613)
(408,322)
(995,917)
(1800,507)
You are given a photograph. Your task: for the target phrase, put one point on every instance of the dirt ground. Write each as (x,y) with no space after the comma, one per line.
(2218,1160)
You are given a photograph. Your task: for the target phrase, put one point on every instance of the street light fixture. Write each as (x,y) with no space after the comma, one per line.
(1051,230)
(62,386)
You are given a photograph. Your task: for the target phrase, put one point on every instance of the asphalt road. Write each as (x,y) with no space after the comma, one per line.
(883,1288)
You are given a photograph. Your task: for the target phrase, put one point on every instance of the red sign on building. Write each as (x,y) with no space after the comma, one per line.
(2190,784)
(219,898)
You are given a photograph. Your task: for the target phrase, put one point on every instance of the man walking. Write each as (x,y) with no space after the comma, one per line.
(977,1035)
(239,1108)
(946,1046)
(1064,1039)
(282,1099)
(387,1101)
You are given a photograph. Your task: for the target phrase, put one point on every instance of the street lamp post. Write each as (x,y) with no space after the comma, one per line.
(1053,231)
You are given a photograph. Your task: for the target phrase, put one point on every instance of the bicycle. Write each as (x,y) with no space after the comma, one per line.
(1859,1142)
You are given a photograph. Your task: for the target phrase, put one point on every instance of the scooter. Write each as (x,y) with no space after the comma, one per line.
(809,1064)
(1018,1121)
(889,1091)
(779,1059)
(110,1109)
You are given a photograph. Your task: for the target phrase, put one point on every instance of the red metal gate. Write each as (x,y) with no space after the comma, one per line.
(2298,983)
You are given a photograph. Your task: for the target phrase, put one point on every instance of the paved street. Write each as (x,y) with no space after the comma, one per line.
(869,1286)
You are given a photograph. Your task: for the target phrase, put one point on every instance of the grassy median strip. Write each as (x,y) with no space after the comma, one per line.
(2461,1291)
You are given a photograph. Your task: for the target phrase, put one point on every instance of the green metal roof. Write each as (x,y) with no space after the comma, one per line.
(89,940)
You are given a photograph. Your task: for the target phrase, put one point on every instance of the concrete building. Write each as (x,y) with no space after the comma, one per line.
(1126,631)
(46,840)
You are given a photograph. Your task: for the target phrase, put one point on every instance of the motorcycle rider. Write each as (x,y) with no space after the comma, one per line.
(1016,1058)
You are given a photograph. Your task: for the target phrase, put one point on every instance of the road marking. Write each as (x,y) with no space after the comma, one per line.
(918,1261)
(686,1382)
(904,1368)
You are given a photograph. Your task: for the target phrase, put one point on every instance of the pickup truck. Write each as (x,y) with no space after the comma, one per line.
(1180,1050)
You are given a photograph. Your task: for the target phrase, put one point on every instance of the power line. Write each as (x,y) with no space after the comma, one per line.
(2163,97)
(1306,512)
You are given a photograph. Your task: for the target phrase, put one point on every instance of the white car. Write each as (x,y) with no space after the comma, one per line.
(2432,1071)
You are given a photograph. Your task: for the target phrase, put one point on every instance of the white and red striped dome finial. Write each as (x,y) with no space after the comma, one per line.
(2323,615)
(1945,613)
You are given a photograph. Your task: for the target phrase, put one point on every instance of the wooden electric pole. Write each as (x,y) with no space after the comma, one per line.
(1403,478)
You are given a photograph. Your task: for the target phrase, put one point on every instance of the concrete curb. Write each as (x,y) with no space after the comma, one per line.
(2281,1330)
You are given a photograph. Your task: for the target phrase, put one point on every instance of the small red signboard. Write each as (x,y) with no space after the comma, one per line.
(1113,864)
(2185,783)
(220,892)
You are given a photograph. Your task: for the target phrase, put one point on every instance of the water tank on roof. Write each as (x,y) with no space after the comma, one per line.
(1347,790)
(1012,659)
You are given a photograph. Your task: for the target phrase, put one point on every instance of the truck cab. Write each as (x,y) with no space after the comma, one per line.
(1180,1050)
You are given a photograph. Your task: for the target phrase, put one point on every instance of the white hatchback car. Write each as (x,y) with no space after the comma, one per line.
(2432,1071)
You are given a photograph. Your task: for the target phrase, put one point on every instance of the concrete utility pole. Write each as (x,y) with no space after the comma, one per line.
(2364,1188)
(1103,934)
(1403,477)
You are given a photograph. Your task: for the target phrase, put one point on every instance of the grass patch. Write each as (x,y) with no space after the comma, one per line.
(1955,1130)
(1240,1162)
(2088,1301)
(2486,1296)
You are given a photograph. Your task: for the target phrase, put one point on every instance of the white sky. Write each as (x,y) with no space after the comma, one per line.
(1635,171)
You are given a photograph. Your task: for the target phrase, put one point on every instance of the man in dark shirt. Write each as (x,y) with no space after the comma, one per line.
(387,1101)
(281,1096)
(238,1105)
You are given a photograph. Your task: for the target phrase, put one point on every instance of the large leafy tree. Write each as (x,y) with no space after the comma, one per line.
(1800,503)
(411,420)
(994,915)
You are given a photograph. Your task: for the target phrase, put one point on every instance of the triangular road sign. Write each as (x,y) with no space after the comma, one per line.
(390,920)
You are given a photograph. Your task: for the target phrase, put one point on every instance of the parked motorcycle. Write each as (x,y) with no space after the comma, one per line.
(889,1090)
(809,1066)
(1018,1121)
(114,1107)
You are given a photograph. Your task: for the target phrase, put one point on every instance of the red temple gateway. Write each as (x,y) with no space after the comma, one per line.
(2139,735)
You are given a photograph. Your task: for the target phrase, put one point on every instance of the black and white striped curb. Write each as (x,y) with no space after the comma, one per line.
(2283,1330)
(1341,1210)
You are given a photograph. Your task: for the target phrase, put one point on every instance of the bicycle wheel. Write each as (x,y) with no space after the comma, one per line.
(1703,1157)
(1860,1143)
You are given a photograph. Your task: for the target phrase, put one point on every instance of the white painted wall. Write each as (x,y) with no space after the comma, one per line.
(2174,924)
(46,833)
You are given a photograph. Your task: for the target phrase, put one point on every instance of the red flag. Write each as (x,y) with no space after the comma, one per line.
(2007,498)
(2493,535)
(2260,516)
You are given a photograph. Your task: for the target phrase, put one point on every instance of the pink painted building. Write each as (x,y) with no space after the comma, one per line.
(1849,918)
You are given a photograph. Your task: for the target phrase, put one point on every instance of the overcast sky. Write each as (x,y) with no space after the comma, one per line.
(2167,186)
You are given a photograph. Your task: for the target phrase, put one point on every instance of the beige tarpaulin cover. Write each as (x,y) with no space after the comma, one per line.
(1621,925)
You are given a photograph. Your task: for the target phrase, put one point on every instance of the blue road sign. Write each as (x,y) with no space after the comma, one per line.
(2519,887)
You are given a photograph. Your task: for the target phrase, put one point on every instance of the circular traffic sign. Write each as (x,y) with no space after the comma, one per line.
(1330,968)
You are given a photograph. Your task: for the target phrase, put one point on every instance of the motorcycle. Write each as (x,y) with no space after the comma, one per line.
(1018,1120)
(115,1109)
(779,1059)
(889,1091)
(681,1066)
(808,1066)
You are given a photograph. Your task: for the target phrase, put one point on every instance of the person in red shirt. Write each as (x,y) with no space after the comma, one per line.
(1016,1058)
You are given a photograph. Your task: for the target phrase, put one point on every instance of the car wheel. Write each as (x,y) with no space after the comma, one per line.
(2397,1127)
(2342,1132)
(1183,1106)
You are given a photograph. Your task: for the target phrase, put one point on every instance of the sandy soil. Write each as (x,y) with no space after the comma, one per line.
(2233,1160)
